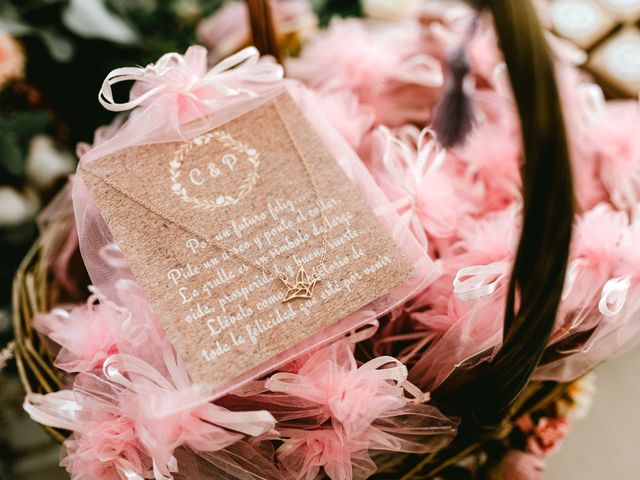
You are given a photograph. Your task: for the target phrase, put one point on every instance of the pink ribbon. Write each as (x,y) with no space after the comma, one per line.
(186,75)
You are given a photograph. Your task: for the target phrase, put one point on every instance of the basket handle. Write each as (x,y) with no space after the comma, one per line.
(263,28)
(538,273)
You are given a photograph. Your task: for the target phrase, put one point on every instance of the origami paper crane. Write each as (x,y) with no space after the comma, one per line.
(302,288)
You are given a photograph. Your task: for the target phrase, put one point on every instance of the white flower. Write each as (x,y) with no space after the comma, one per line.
(389,10)
(17,207)
(580,397)
(92,19)
(11,59)
(46,164)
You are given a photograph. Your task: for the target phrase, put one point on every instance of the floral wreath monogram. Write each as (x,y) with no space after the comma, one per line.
(183,152)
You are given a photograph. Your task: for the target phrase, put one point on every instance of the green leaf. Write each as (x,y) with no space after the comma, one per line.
(11,155)
(25,125)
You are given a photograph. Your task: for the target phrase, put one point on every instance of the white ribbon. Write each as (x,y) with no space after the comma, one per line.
(571,276)
(479,281)
(56,410)
(177,73)
(361,334)
(397,373)
(614,295)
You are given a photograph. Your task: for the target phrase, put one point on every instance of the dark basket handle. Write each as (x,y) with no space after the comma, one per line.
(537,278)
(263,27)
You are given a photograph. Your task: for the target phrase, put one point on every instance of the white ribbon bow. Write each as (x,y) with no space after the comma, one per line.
(175,73)
(408,169)
(614,295)
(479,281)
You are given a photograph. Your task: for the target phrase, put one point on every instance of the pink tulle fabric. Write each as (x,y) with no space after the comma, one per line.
(323,408)
(63,258)
(129,418)
(334,410)
(85,334)
(409,166)
(383,67)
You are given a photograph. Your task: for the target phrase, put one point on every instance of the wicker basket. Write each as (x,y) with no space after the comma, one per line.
(34,291)
(503,387)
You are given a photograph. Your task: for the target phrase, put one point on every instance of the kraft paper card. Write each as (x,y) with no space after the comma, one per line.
(212,226)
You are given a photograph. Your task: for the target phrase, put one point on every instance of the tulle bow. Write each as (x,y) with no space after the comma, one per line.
(135,417)
(170,411)
(354,397)
(187,75)
(332,412)
(421,194)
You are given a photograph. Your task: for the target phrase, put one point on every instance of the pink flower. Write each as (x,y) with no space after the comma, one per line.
(133,417)
(490,238)
(492,157)
(519,465)
(596,254)
(11,59)
(170,411)
(549,434)
(544,438)
(88,334)
(630,252)
(597,236)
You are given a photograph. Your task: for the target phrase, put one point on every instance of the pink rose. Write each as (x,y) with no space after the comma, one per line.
(519,465)
(548,437)
(11,59)
(544,438)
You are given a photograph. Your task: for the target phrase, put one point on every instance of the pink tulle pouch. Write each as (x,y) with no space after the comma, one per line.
(179,99)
